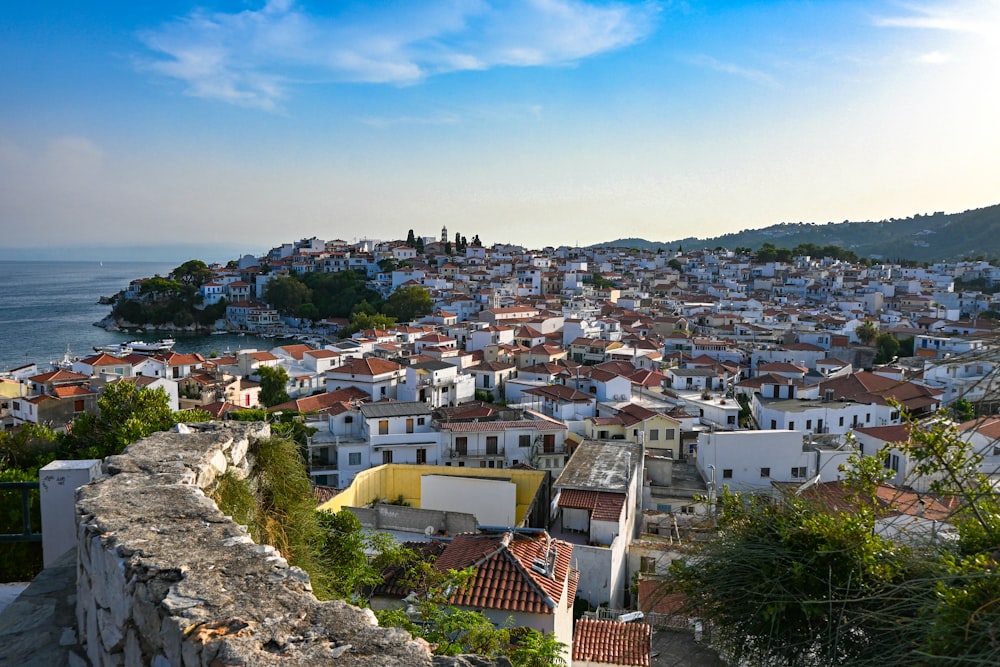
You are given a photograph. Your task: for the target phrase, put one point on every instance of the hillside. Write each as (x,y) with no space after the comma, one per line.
(923,238)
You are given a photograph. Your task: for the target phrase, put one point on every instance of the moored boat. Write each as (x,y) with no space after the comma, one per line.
(162,345)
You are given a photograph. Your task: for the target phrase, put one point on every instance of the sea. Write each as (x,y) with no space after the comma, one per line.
(49,309)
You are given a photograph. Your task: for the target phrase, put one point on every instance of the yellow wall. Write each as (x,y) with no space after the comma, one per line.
(394,479)
(10,388)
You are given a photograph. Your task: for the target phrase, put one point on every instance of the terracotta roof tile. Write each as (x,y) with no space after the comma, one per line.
(612,642)
(506,577)
(72,390)
(605,506)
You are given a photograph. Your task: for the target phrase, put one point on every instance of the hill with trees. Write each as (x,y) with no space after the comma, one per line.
(972,234)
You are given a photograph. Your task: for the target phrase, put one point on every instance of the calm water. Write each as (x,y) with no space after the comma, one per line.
(47,306)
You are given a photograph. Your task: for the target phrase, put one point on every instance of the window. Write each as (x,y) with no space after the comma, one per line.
(348,419)
(668,434)
(421,456)
(774,425)
(602,435)
(687,509)
(841,421)
(799,472)
(868,418)
(482,464)
(491,444)
(409,424)
(486,382)
(354,459)
(382,391)
(549,443)
(462,445)
(420,421)
(765,472)
(383,427)
(654,434)
(791,426)
(809,424)
(386,456)
(727,473)
(524,441)
(78,405)
(647,564)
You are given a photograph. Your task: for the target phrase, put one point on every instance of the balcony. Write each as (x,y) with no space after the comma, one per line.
(405,439)
(316,465)
(476,454)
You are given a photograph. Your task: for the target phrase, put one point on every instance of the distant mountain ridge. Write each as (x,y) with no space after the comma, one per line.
(924,238)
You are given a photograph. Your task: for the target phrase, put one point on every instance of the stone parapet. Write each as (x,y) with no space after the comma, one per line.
(165,579)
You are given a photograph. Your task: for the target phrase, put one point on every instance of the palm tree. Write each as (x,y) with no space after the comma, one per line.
(867,332)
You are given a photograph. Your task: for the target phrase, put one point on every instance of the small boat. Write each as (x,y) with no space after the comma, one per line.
(118,349)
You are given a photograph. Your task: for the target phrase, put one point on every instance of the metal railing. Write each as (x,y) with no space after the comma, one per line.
(26,534)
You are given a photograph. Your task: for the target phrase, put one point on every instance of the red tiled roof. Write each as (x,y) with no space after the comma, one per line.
(58,376)
(102,359)
(612,642)
(296,351)
(323,402)
(504,576)
(370,366)
(605,506)
(72,390)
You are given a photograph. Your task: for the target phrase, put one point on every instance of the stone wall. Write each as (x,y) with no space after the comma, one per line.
(165,579)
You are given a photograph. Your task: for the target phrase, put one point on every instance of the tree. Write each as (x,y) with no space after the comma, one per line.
(410,239)
(675,264)
(28,448)
(866,332)
(801,584)
(192,272)
(408,303)
(273,385)
(357,556)
(286,294)
(362,320)
(126,413)
(887,348)
(962,410)
(788,584)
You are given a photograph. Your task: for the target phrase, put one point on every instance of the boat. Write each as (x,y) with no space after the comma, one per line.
(162,345)
(118,349)
(142,346)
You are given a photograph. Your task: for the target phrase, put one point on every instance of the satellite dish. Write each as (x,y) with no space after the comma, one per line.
(428,531)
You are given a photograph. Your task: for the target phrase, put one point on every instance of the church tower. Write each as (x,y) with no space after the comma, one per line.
(444,234)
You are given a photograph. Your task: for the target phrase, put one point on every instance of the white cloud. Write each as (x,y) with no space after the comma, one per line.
(935,58)
(963,17)
(750,74)
(253,57)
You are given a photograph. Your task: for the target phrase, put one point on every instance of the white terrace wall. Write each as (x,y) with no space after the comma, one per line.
(166,580)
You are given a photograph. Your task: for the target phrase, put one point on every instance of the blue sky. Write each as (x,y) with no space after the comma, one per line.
(247,123)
